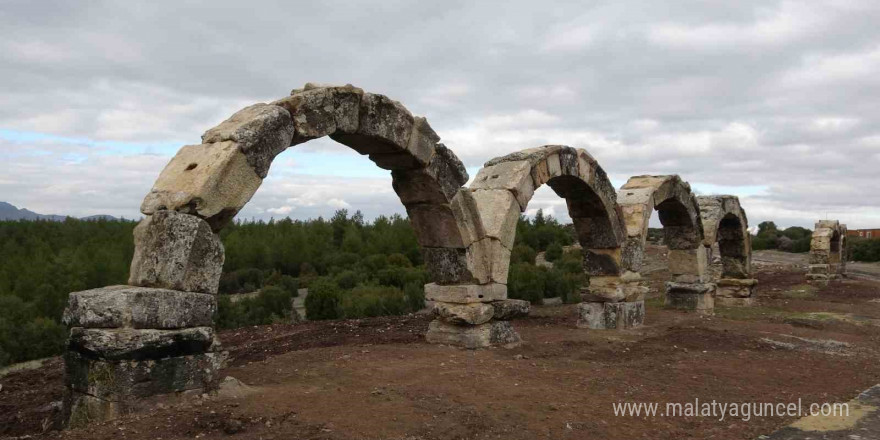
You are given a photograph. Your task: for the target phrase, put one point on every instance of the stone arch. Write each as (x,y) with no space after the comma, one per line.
(490,208)
(156,335)
(827,252)
(725,223)
(683,234)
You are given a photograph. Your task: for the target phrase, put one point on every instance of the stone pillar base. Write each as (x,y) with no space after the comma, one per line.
(472,336)
(697,297)
(735,292)
(611,315)
(473,315)
(128,343)
(99,390)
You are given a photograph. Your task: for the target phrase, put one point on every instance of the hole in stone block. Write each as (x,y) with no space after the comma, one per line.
(191,166)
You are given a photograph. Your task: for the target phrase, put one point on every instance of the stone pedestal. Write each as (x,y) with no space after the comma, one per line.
(697,297)
(128,343)
(611,315)
(735,292)
(473,315)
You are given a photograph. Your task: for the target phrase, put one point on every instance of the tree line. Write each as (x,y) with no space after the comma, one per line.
(353,268)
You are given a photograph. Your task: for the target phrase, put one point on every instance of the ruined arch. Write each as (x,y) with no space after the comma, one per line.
(490,208)
(827,252)
(156,335)
(725,223)
(683,235)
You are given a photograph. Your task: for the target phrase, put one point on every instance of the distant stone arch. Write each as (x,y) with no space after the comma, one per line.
(683,235)
(725,223)
(827,252)
(490,208)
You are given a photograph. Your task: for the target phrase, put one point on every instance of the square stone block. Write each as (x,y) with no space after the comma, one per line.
(137,344)
(702,303)
(472,336)
(176,251)
(511,176)
(466,293)
(734,302)
(139,307)
(124,380)
(212,181)
(605,315)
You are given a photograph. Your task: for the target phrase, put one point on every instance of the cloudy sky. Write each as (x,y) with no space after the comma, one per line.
(777,102)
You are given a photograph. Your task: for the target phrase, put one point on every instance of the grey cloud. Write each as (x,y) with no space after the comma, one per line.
(776,94)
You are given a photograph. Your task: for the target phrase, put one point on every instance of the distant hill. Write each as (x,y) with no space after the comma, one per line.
(11,212)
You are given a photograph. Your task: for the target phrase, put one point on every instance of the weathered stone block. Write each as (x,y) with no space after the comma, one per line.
(124,380)
(489,261)
(602,262)
(140,344)
(616,289)
(176,251)
(464,314)
(467,213)
(499,213)
(384,127)
(511,176)
(322,111)
(139,307)
(261,131)
(508,309)
(212,181)
(447,265)
(419,152)
(435,226)
(472,336)
(82,410)
(466,293)
(703,303)
(688,262)
(602,315)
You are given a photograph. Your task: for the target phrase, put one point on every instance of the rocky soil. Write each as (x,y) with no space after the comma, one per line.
(377,379)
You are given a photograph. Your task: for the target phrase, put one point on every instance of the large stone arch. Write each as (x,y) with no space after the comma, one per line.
(725,223)
(827,252)
(679,214)
(156,335)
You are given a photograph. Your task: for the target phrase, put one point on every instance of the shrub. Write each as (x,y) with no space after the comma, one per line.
(324,300)
(554,251)
(399,260)
(368,301)
(864,249)
(347,279)
(526,281)
(523,254)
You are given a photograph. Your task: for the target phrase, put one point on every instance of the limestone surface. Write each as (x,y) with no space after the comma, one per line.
(261,131)
(139,344)
(176,251)
(140,308)
(466,293)
(464,314)
(212,181)
(510,309)
(472,336)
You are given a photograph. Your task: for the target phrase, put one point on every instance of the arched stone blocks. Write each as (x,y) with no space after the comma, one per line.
(827,252)
(683,234)
(178,258)
(725,224)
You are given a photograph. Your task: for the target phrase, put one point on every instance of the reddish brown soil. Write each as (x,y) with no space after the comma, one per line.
(377,379)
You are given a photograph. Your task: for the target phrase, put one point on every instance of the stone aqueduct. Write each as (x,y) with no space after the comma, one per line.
(156,335)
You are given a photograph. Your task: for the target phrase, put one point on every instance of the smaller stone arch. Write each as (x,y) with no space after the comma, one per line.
(683,234)
(490,208)
(827,252)
(725,223)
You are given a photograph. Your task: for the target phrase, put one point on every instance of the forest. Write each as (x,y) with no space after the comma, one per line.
(352,268)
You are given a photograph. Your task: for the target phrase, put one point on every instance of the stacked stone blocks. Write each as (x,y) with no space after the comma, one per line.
(827,252)
(725,227)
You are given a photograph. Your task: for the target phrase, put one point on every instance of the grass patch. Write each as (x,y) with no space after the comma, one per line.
(801,291)
(654,303)
(755,313)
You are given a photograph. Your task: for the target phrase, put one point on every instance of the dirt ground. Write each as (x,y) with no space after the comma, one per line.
(377,379)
